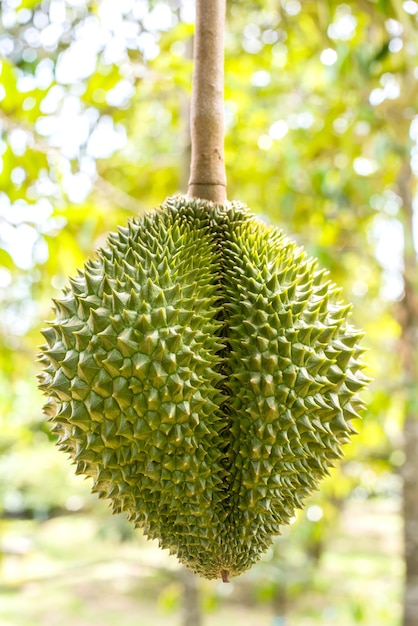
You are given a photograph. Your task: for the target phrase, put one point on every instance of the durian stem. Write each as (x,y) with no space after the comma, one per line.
(207,171)
(225,576)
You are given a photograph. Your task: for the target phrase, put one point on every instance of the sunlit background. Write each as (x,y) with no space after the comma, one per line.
(321,110)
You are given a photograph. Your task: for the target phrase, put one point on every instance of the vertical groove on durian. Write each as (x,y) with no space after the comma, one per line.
(202,372)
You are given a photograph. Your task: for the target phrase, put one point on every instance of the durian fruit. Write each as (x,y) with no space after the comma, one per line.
(201,370)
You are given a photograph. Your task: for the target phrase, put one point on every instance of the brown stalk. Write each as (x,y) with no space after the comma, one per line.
(207,171)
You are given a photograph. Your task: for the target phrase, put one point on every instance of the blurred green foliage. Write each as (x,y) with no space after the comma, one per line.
(321,113)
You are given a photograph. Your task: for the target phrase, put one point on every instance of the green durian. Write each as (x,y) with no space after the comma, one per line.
(201,370)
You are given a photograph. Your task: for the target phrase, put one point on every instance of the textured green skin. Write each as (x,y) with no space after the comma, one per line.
(202,372)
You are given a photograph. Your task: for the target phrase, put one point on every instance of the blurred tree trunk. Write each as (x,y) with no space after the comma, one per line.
(409,349)
(185,119)
(280,602)
(192,615)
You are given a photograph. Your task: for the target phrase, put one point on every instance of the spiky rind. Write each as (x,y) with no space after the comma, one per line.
(201,370)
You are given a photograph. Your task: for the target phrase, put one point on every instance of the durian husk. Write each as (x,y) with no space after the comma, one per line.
(202,371)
